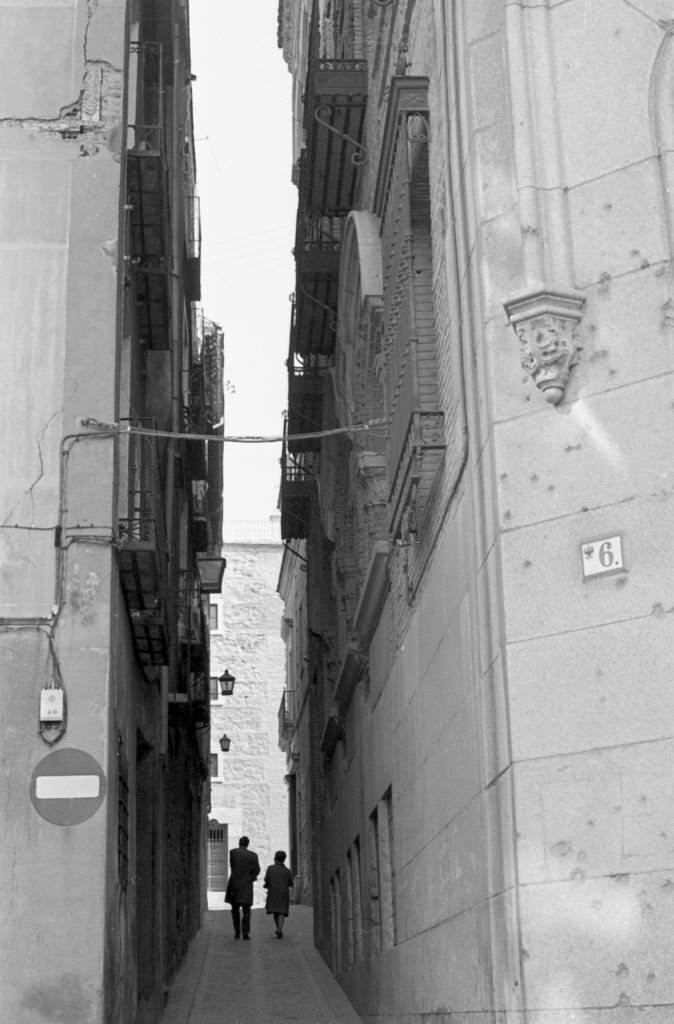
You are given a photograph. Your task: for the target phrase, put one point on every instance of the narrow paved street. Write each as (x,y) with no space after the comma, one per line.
(264,981)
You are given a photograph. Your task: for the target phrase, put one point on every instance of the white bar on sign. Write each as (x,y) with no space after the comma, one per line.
(66,787)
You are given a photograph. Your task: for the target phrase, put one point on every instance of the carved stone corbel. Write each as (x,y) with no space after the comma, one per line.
(546,322)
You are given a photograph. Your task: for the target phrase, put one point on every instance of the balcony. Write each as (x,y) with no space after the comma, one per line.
(334,117)
(191,706)
(305,394)
(147,196)
(192,248)
(204,407)
(286,721)
(141,555)
(199,525)
(189,609)
(422,452)
(200,698)
(297,490)
(213,369)
(141,545)
(305,406)
(193,637)
(193,423)
(317,248)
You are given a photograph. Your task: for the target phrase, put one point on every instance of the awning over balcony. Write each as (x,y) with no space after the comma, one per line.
(334,116)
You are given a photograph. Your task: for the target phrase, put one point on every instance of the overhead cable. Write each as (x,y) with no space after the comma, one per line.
(129,428)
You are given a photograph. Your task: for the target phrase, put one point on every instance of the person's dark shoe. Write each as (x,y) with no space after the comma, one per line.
(237,935)
(246,936)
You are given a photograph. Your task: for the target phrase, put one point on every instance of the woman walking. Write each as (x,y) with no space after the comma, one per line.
(278,882)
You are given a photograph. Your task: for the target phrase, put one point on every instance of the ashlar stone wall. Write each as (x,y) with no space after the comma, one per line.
(249,793)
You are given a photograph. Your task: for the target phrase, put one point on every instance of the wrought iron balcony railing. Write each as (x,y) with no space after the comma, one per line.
(418,465)
(318,242)
(306,377)
(286,719)
(192,248)
(298,486)
(146,128)
(146,245)
(193,227)
(141,544)
(189,610)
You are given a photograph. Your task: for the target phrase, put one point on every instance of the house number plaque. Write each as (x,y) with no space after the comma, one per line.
(602,557)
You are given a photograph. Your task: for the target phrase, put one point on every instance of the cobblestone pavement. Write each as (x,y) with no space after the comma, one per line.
(264,981)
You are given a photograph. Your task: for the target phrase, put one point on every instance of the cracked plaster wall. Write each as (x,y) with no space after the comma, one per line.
(61,97)
(61,94)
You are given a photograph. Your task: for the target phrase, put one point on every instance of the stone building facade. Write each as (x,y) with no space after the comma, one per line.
(249,794)
(476,498)
(104,513)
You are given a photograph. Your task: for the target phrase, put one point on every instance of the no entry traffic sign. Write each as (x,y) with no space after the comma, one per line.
(67,787)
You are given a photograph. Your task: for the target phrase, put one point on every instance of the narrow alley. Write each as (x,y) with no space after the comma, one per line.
(264,981)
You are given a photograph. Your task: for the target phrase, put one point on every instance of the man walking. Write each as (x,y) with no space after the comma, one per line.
(244,869)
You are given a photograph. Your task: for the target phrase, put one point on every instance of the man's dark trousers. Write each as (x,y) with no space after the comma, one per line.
(241,919)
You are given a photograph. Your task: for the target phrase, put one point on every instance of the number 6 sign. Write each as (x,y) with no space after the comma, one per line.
(603,556)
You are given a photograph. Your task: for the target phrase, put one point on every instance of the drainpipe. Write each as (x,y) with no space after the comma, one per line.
(169,676)
(176,325)
(469,328)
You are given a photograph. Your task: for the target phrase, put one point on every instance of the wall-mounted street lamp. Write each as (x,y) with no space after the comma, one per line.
(227,681)
(225,743)
(211,569)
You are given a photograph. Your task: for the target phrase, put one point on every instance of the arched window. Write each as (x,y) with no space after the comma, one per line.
(409,357)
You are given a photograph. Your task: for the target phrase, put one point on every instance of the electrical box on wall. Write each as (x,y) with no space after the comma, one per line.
(51,705)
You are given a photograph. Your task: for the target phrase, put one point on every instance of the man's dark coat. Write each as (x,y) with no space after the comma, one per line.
(245,867)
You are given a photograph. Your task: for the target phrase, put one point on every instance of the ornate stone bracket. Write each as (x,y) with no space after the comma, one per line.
(546,322)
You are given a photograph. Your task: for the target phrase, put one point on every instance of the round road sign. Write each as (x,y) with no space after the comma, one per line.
(67,787)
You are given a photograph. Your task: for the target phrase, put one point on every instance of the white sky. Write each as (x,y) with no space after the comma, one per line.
(243,130)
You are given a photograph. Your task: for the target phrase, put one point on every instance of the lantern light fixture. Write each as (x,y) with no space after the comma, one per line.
(226,681)
(211,569)
(225,743)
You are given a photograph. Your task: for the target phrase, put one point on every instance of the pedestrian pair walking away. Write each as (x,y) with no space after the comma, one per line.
(278,882)
(244,869)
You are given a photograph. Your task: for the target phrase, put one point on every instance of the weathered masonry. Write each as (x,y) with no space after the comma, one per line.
(476,503)
(107,522)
